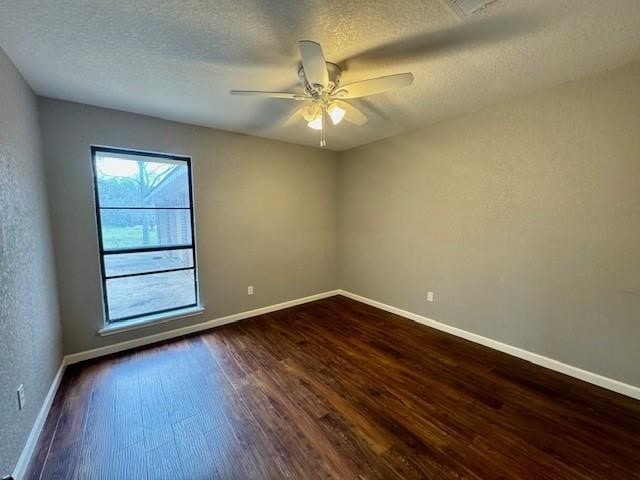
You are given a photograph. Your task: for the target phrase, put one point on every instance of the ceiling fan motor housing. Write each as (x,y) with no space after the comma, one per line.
(335,72)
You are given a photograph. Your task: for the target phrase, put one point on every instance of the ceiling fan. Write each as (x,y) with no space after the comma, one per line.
(324,96)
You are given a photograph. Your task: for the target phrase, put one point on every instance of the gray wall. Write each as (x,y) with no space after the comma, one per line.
(265,214)
(523,218)
(30,341)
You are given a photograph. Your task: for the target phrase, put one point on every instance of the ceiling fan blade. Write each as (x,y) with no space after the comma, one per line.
(353,115)
(313,62)
(286,95)
(374,86)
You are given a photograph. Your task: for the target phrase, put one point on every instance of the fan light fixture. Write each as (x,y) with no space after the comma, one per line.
(316,123)
(336,113)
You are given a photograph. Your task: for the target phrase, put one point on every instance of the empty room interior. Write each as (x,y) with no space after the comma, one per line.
(305,239)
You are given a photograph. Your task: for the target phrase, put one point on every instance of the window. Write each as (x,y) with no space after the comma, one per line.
(144,207)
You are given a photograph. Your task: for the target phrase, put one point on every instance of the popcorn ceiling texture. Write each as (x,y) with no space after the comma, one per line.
(178,59)
(30,342)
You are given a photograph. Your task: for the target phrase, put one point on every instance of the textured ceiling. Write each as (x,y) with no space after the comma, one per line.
(178,59)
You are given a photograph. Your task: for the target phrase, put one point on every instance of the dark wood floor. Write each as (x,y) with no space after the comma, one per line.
(332,389)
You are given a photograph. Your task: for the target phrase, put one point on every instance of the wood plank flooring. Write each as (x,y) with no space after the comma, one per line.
(332,389)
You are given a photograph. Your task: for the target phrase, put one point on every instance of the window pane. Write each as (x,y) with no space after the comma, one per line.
(145,228)
(144,202)
(127,263)
(135,181)
(133,296)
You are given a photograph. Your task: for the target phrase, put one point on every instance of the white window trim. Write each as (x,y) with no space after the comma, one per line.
(149,320)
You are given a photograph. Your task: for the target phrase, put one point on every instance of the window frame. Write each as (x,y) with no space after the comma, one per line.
(97,149)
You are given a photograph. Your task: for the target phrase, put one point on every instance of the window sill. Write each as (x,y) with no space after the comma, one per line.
(142,322)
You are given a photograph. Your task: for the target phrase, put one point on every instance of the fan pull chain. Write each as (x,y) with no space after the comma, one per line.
(323,142)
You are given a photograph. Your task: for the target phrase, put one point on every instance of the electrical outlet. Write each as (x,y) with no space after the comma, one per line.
(20,397)
(429,296)
(250,290)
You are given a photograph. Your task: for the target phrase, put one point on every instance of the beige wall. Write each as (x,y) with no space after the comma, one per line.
(30,340)
(265,214)
(523,218)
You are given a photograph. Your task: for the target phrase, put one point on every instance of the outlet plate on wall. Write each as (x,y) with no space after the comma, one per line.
(250,290)
(429,296)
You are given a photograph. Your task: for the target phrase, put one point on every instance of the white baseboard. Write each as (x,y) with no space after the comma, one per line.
(178,332)
(20,470)
(550,363)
